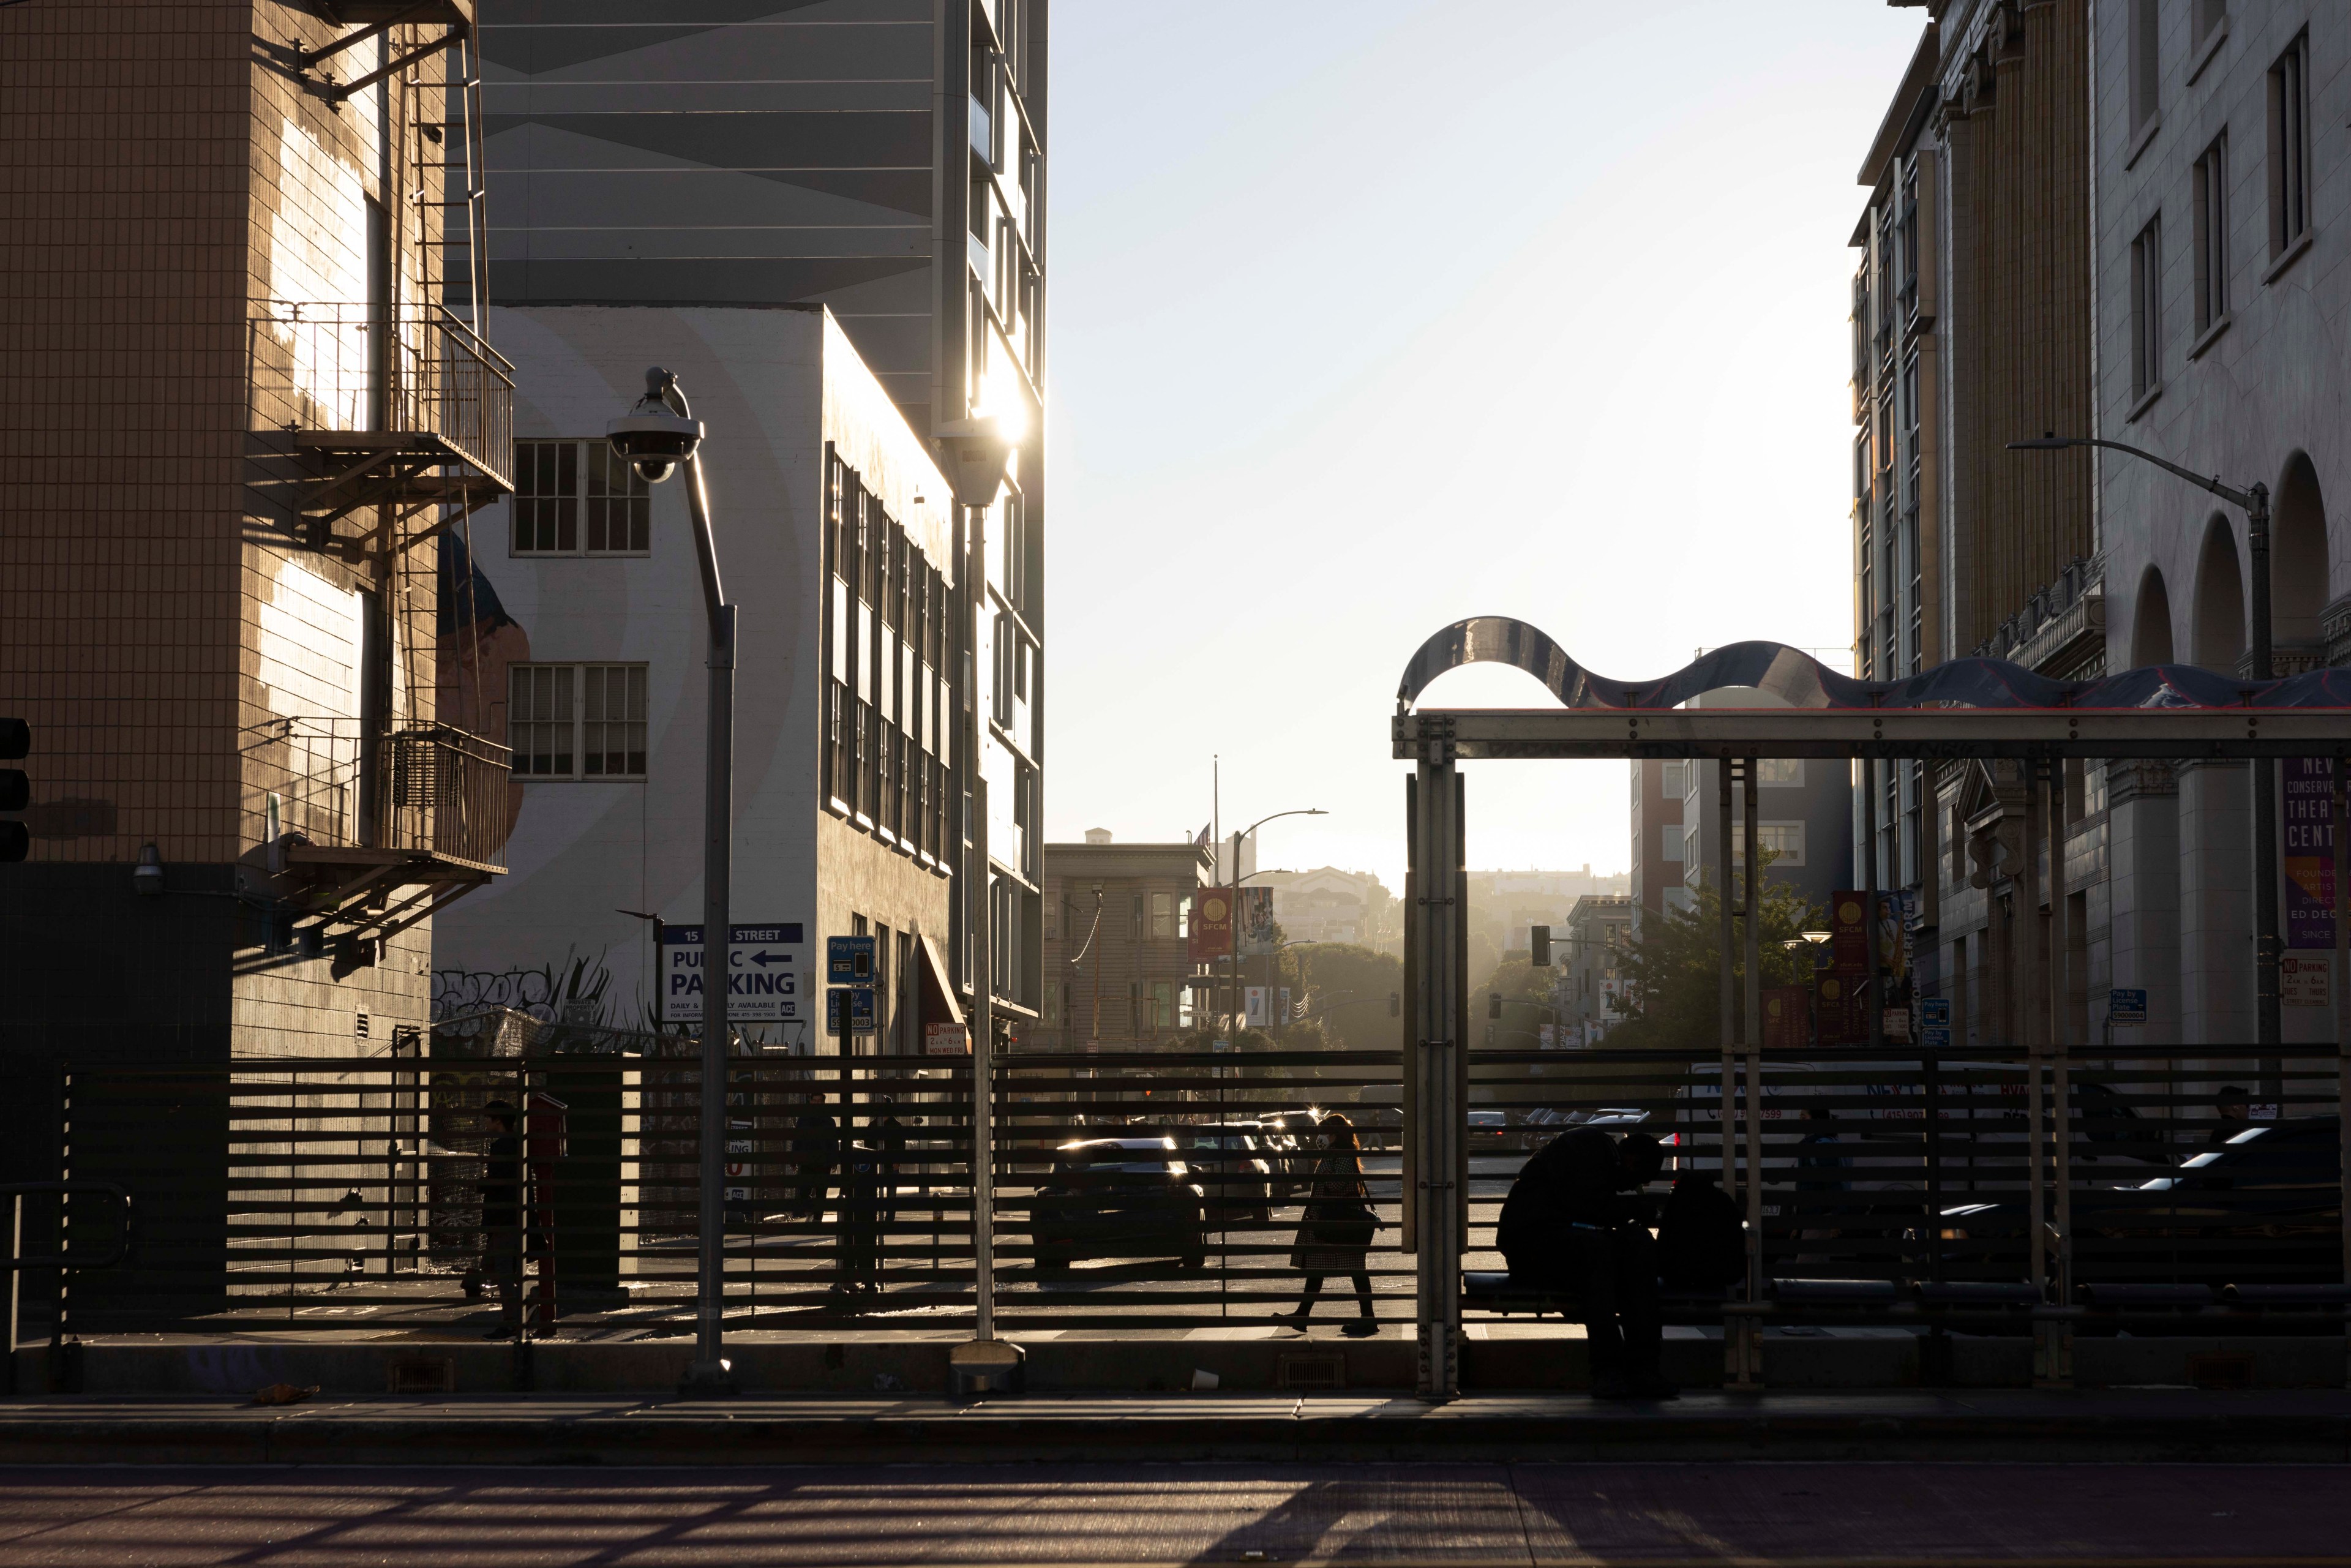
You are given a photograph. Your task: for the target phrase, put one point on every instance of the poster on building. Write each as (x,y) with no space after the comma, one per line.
(1256,1014)
(1212,925)
(1836,1010)
(1787,1017)
(2302,979)
(1255,910)
(1848,933)
(2307,823)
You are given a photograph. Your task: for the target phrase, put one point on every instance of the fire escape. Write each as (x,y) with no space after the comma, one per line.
(405,429)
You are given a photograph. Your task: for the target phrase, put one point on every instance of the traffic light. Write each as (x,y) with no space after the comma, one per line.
(16,790)
(1539,942)
(1493,1004)
(1395,1004)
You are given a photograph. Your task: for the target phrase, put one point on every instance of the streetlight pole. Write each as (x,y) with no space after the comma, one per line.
(659,431)
(2254,502)
(1235,956)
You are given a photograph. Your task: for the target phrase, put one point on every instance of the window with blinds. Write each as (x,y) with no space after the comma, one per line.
(576,721)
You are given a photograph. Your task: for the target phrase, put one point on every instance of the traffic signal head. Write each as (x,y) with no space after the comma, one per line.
(1395,1004)
(16,790)
(1493,1004)
(1539,944)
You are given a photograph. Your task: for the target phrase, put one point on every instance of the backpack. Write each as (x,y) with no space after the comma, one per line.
(1701,1245)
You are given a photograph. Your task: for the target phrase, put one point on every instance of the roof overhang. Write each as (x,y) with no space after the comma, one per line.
(2178,734)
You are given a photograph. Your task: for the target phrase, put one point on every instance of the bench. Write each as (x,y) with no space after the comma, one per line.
(1490,1290)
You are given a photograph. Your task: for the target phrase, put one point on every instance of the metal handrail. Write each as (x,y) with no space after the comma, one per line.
(16,1192)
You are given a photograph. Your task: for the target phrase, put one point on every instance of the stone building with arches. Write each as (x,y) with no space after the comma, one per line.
(2223,209)
(2125,220)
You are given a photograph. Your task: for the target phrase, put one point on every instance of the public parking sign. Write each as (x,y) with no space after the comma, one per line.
(765,969)
(2127,1005)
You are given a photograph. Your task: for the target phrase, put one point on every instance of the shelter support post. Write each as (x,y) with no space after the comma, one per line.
(2342,982)
(1873,985)
(2061,1024)
(1750,1038)
(1435,1065)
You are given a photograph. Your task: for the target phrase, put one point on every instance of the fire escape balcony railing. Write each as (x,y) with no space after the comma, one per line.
(448,794)
(418,408)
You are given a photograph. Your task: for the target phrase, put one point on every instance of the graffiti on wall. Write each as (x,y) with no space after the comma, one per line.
(569,992)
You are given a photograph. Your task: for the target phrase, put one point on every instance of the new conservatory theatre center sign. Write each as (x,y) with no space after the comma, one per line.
(766,972)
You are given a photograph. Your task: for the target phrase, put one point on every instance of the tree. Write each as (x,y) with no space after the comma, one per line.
(1674,965)
(1350,987)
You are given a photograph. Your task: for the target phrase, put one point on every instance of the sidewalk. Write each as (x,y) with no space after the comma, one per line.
(2312,1426)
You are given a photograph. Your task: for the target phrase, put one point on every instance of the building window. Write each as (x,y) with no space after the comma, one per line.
(1670,845)
(545,499)
(557,481)
(1778,772)
(539,719)
(2145,62)
(1783,842)
(576,721)
(2146,310)
(2290,148)
(613,721)
(2210,15)
(2211,193)
(1162,1004)
(1163,915)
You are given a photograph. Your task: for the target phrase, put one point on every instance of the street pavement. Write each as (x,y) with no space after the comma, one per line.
(1643,1516)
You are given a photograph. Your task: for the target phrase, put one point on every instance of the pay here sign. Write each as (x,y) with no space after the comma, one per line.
(764,970)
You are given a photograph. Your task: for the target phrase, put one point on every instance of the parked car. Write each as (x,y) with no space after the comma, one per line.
(1228,1161)
(1119,1197)
(1293,1147)
(2266,1205)
(1489,1129)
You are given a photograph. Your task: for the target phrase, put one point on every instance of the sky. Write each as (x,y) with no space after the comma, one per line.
(1368,314)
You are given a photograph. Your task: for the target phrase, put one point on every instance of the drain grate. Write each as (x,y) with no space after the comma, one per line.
(1311,1371)
(421,1376)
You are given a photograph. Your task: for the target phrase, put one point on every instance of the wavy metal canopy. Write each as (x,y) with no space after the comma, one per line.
(1803,681)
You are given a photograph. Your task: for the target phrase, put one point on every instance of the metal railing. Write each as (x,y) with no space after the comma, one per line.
(352,368)
(449,793)
(351,1192)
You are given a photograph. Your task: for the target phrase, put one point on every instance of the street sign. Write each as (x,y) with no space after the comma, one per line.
(765,968)
(852,1005)
(2302,979)
(1936,1037)
(945,1040)
(2127,1005)
(848,960)
(1935,1012)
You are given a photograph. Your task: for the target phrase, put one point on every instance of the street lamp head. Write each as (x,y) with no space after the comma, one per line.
(975,454)
(2048,441)
(655,437)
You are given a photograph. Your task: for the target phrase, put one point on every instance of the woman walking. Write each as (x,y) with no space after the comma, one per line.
(1335,1236)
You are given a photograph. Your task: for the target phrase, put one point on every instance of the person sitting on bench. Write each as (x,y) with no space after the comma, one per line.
(1570,1225)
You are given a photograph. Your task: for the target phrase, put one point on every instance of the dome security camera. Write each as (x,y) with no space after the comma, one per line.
(654,438)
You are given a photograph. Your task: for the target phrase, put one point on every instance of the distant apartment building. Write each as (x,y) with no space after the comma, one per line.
(1599,931)
(1505,905)
(1117,944)
(1328,905)
(1803,809)
(1657,877)
(790,208)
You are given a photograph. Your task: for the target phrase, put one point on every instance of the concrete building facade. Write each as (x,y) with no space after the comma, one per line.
(836,540)
(883,161)
(1599,929)
(1328,905)
(1658,876)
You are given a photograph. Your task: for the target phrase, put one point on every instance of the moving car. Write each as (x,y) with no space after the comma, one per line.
(1119,1197)
(1230,1164)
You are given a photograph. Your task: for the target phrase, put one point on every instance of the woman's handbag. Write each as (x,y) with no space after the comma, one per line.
(1345,1224)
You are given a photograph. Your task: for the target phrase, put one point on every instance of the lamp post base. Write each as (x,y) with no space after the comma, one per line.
(983,1367)
(708,1380)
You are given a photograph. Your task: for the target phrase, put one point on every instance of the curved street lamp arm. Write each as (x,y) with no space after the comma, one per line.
(2230,494)
(663,384)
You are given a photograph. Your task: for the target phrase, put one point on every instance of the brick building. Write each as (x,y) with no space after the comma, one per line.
(1117,956)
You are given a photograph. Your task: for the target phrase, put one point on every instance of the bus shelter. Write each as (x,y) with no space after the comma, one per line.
(1983,710)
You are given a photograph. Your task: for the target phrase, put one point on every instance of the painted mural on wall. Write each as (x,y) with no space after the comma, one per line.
(477,641)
